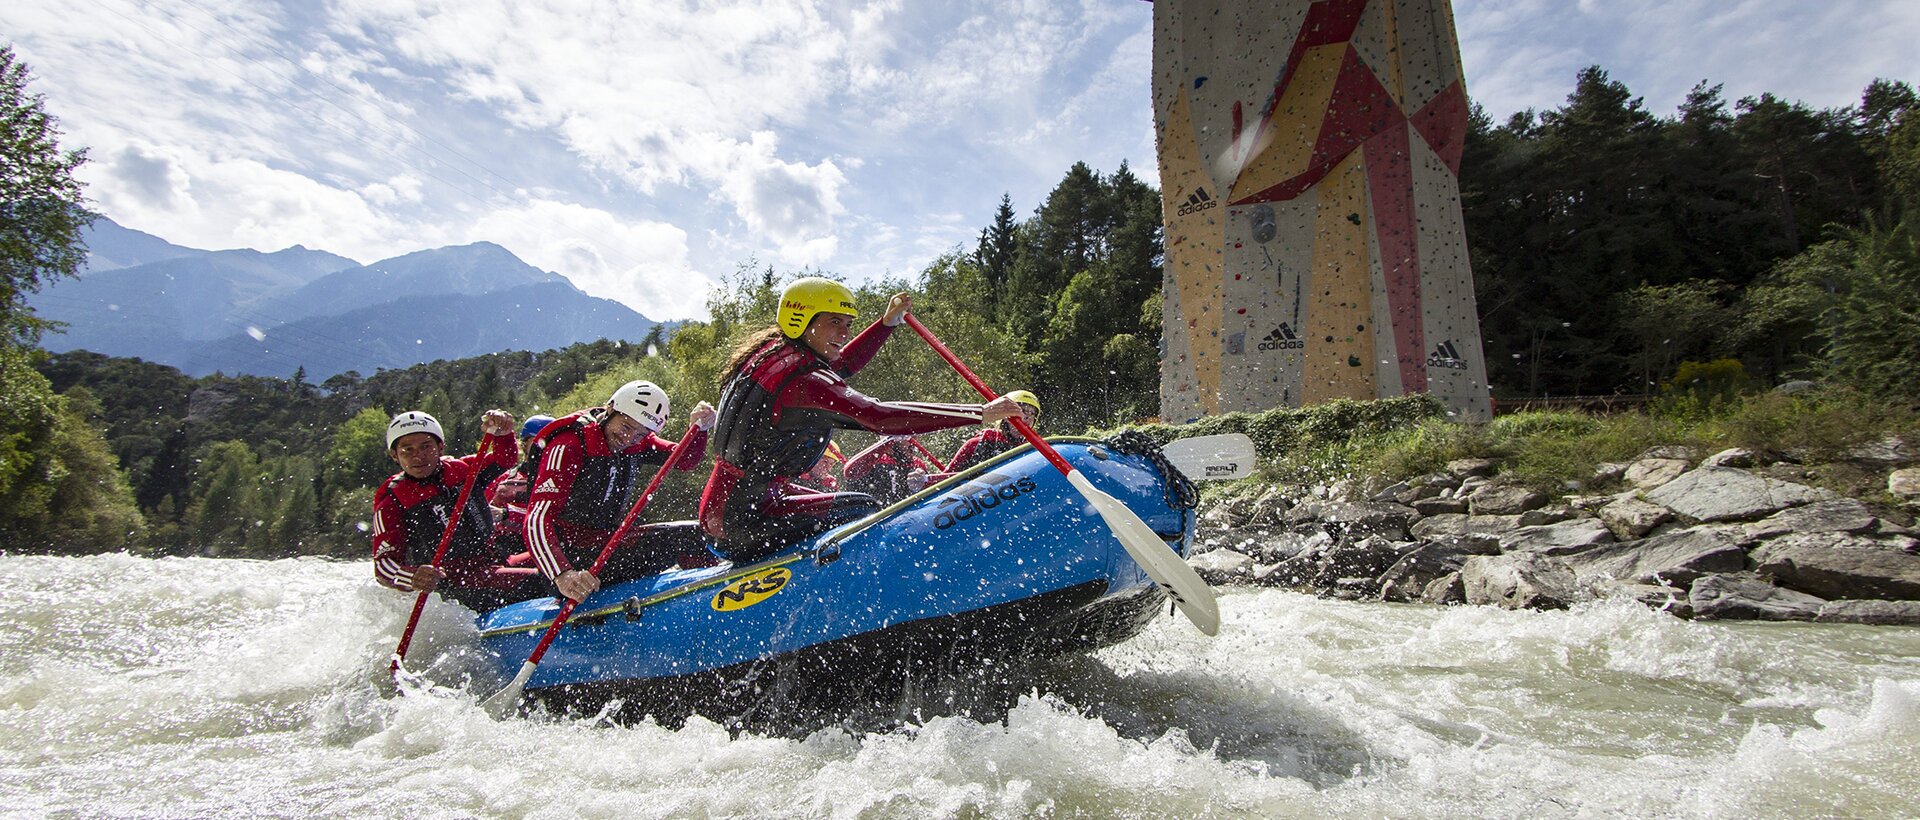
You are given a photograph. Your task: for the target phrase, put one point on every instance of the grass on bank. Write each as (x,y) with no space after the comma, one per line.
(1353,446)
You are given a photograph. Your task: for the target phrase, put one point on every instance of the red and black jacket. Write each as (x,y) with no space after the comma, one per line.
(410,515)
(582,489)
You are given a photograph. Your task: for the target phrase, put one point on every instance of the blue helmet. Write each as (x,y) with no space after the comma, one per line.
(534,424)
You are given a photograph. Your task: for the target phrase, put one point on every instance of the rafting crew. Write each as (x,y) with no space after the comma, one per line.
(998,439)
(784,392)
(412,509)
(590,463)
(892,469)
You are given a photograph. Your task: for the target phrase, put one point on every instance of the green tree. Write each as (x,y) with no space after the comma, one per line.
(42,204)
(224,506)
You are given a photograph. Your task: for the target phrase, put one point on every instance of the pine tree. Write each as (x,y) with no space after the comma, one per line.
(42,206)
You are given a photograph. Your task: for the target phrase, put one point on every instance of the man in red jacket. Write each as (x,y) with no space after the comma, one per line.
(412,508)
(591,463)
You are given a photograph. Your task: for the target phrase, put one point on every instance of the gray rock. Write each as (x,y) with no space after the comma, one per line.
(1671,600)
(1838,515)
(1838,565)
(1222,567)
(1904,484)
(1381,518)
(1441,481)
(1521,580)
(1440,506)
(1733,457)
(1286,545)
(1269,507)
(1416,570)
(1892,451)
(1392,492)
(1547,515)
(1607,472)
(1747,597)
(1219,518)
(1675,558)
(1671,452)
(1564,538)
(1465,467)
(1727,494)
(1473,543)
(1794,388)
(1366,559)
(1415,492)
(1469,484)
(1629,517)
(1434,526)
(1447,589)
(1648,473)
(1881,613)
(1496,499)
(1591,503)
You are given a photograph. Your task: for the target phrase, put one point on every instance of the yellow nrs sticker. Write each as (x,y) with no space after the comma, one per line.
(751,589)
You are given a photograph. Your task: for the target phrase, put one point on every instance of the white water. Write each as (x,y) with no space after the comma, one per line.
(136,688)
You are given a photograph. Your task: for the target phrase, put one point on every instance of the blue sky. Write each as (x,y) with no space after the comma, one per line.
(645,149)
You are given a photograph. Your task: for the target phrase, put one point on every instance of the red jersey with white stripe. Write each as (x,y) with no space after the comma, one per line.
(402,499)
(581,490)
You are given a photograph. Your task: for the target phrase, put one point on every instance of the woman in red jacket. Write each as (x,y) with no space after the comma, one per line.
(783,395)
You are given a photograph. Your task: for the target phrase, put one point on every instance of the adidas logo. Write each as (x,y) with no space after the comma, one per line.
(1282,338)
(547,486)
(1447,356)
(1196,202)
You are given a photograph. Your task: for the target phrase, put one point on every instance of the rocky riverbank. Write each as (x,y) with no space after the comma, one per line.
(1731,535)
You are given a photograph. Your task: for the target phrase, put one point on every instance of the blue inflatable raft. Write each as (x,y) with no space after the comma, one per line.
(991,569)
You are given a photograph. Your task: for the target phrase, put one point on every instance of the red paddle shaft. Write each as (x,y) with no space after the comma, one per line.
(439,553)
(1019,423)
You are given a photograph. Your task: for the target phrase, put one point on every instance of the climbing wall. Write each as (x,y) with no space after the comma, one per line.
(1309,168)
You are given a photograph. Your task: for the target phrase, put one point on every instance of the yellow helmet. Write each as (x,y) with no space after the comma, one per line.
(1025,397)
(808,296)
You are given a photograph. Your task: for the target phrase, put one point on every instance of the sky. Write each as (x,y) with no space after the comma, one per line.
(647,149)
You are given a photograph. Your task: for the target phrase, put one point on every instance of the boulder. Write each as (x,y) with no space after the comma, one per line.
(1904,484)
(1465,467)
(1521,580)
(1892,451)
(1671,600)
(1496,499)
(1670,452)
(1438,481)
(1748,597)
(1440,506)
(1675,558)
(1416,570)
(1269,507)
(1563,538)
(1365,560)
(1629,517)
(1838,515)
(1547,515)
(1283,546)
(1447,589)
(1838,565)
(1607,472)
(1727,494)
(1880,613)
(1370,518)
(1648,473)
(1222,567)
(1733,457)
(1434,526)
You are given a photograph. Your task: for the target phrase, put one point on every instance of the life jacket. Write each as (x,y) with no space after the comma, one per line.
(745,434)
(425,507)
(992,443)
(598,497)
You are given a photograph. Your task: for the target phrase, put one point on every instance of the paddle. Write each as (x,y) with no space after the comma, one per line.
(1163,565)
(501,702)
(937,466)
(439,553)
(1206,458)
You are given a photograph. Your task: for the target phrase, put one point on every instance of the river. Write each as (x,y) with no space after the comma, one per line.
(132,687)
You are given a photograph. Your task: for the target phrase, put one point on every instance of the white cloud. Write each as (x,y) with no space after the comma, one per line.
(639,263)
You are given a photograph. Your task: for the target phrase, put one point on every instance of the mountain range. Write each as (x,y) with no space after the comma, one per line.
(272,314)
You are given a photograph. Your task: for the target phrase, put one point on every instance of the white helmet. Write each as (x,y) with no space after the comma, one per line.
(414,421)
(642,401)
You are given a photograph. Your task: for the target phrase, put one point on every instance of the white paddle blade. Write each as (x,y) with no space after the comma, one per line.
(1162,564)
(505,701)
(1205,458)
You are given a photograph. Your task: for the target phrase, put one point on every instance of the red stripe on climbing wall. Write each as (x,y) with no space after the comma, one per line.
(1328,22)
(1390,186)
(1359,108)
(1442,122)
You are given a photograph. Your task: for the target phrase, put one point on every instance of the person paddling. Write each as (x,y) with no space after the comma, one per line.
(783,394)
(412,508)
(589,463)
(992,442)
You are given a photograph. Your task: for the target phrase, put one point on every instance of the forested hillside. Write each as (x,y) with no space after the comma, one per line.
(1744,243)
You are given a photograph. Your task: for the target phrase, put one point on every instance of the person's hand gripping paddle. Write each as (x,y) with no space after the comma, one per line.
(503,702)
(439,554)
(1163,565)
